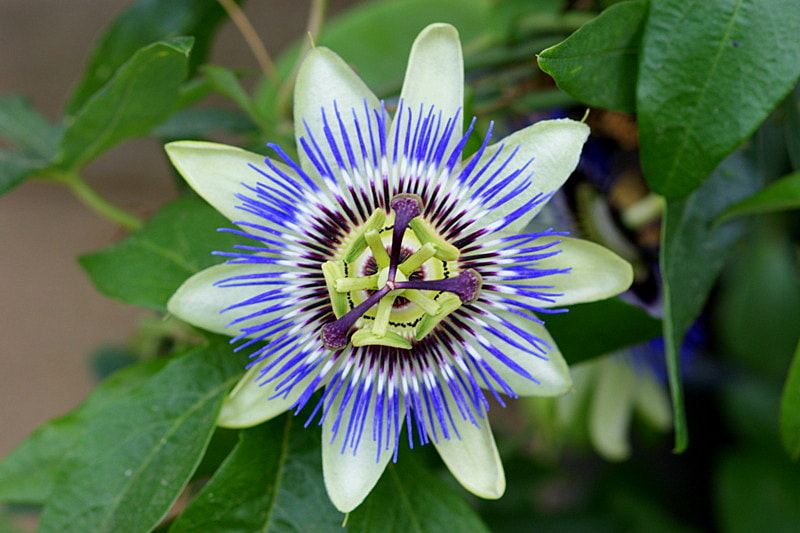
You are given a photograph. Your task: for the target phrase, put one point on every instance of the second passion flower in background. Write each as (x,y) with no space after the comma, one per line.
(388,272)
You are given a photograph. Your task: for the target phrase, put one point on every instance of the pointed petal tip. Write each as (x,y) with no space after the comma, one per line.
(349,478)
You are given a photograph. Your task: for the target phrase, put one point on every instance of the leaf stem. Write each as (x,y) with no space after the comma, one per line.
(253,40)
(97,203)
(316,16)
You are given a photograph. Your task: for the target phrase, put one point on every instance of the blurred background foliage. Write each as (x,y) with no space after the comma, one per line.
(692,173)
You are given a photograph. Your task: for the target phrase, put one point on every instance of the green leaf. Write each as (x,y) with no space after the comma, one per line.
(409,498)
(27,473)
(598,63)
(132,462)
(200,122)
(148,266)
(226,82)
(139,95)
(790,409)
(145,22)
(359,36)
(271,482)
(692,255)
(593,329)
(792,126)
(25,127)
(777,196)
(709,74)
(17,165)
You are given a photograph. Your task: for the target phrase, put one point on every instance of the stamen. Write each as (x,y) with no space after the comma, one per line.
(467,285)
(426,234)
(411,264)
(357,284)
(429,305)
(376,247)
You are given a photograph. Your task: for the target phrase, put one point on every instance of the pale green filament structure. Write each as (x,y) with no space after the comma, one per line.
(349,283)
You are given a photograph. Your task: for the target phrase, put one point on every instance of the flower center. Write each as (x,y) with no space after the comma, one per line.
(394,286)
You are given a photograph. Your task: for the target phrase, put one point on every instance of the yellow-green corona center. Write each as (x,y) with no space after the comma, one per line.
(393,286)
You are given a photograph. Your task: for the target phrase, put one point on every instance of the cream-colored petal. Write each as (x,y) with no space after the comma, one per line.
(325,78)
(553,148)
(572,403)
(217,171)
(435,77)
(652,401)
(610,409)
(596,273)
(550,372)
(199,302)
(349,477)
(473,459)
(250,403)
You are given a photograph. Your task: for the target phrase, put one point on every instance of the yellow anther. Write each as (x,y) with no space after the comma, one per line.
(365,337)
(448,302)
(373,223)
(377,247)
(333,272)
(427,251)
(426,234)
(381,325)
(429,305)
(357,284)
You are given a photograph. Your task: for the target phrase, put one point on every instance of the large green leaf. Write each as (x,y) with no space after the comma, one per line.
(36,141)
(777,196)
(145,22)
(25,127)
(792,126)
(16,165)
(131,463)
(141,94)
(693,252)
(148,266)
(790,409)
(27,473)
(409,498)
(598,63)
(709,74)
(593,329)
(760,292)
(271,482)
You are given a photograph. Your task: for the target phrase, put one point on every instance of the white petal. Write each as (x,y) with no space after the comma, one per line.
(473,460)
(350,477)
(435,77)
(324,78)
(595,273)
(553,146)
(249,403)
(200,303)
(610,410)
(217,171)
(550,371)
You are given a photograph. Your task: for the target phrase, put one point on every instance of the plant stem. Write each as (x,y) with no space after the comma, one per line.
(316,16)
(253,41)
(97,203)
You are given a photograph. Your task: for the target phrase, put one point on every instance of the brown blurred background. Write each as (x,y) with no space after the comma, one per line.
(51,318)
